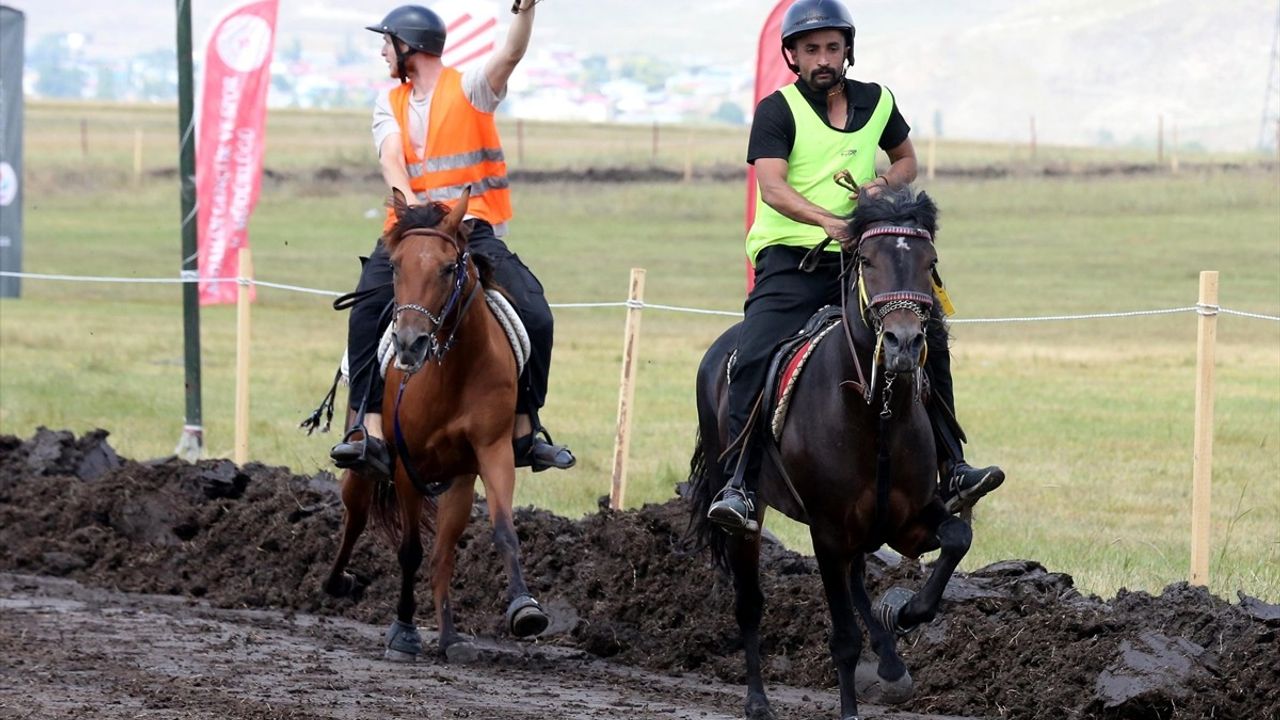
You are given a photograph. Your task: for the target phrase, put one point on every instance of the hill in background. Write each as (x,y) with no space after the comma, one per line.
(1090,71)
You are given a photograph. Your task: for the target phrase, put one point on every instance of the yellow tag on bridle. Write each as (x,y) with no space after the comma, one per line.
(944,300)
(863,302)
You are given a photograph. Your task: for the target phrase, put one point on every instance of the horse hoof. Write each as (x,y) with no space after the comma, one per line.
(897,691)
(889,606)
(345,585)
(461,653)
(874,689)
(525,617)
(403,643)
(758,709)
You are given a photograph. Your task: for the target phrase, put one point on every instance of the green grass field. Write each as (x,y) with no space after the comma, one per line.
(1092,419)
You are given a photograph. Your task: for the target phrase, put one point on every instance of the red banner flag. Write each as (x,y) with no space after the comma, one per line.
(233,111)
(771,73)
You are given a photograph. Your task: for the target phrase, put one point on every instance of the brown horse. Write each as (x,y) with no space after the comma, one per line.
(860,467)
(452,396)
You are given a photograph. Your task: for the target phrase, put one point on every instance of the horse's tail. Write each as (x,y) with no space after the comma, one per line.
(704,483)
(384,514)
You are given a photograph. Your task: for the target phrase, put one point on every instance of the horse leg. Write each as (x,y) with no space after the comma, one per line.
(525,617)
(937,528)
(744,561)
(846,638)
(954,537)
(890,682)
(403,641)
(451,520)
(357,495)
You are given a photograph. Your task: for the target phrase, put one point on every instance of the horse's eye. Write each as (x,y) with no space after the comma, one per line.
(449,269)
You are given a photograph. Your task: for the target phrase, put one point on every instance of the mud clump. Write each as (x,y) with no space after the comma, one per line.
(1013,639)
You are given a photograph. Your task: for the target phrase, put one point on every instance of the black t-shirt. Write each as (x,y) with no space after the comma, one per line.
(773,130)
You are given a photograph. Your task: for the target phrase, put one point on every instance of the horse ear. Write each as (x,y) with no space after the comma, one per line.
(454,219)
(398,204)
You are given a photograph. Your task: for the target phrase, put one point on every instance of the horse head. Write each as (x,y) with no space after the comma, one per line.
(891,282)
(429,260)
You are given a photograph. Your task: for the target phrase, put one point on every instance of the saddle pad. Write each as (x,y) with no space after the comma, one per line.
(787,379)
(517,336)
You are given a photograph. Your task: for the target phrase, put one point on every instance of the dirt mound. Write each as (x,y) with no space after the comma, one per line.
(1014,640)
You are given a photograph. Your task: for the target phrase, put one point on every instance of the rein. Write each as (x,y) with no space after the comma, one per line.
(877,308)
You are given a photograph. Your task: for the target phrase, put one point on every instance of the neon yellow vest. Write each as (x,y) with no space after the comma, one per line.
(819,152)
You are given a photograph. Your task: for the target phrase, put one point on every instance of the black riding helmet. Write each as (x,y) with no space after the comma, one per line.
(806,15)
(416,26)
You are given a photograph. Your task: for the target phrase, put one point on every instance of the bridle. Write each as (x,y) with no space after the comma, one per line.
(437,349)
(873,311)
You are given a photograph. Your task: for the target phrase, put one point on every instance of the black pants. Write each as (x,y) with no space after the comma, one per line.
(368,320)
(783,298)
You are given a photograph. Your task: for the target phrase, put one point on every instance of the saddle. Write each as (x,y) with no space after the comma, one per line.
(788,362)
(501,309)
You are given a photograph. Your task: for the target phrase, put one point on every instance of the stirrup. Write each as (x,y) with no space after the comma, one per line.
(526,449)
(366,452)
(733,511)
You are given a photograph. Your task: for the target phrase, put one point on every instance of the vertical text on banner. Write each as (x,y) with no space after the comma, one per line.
(232,136)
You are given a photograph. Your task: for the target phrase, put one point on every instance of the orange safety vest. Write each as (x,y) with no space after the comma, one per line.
(462,148)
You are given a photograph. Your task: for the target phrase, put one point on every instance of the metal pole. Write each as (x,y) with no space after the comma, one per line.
(191,444)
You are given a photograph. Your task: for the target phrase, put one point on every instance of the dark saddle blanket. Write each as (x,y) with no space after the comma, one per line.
(788,362)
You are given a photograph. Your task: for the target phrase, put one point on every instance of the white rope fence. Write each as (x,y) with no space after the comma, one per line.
(641,305)
(1207,308)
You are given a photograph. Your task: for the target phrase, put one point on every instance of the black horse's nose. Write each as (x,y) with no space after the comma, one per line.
(902,349)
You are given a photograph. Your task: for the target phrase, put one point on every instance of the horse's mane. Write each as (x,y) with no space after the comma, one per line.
(429,216)
(901,206)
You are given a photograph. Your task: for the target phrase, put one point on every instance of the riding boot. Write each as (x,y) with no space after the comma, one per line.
(734,506)
(960,485)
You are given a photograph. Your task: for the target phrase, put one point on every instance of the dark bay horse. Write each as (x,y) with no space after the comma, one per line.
(856,461)
(451,396)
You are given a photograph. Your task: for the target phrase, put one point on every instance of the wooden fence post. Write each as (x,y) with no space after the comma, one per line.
(137,156)
(1202,454)
(519,142)
(243,295)
(932,158)
(688,155)
(1160,140)
(627,391)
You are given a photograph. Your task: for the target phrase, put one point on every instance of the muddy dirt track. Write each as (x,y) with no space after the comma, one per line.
(168,590)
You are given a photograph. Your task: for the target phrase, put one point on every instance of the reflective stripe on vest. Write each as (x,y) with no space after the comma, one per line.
(454,162)
(453,192)
(462,150)
(818,153)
